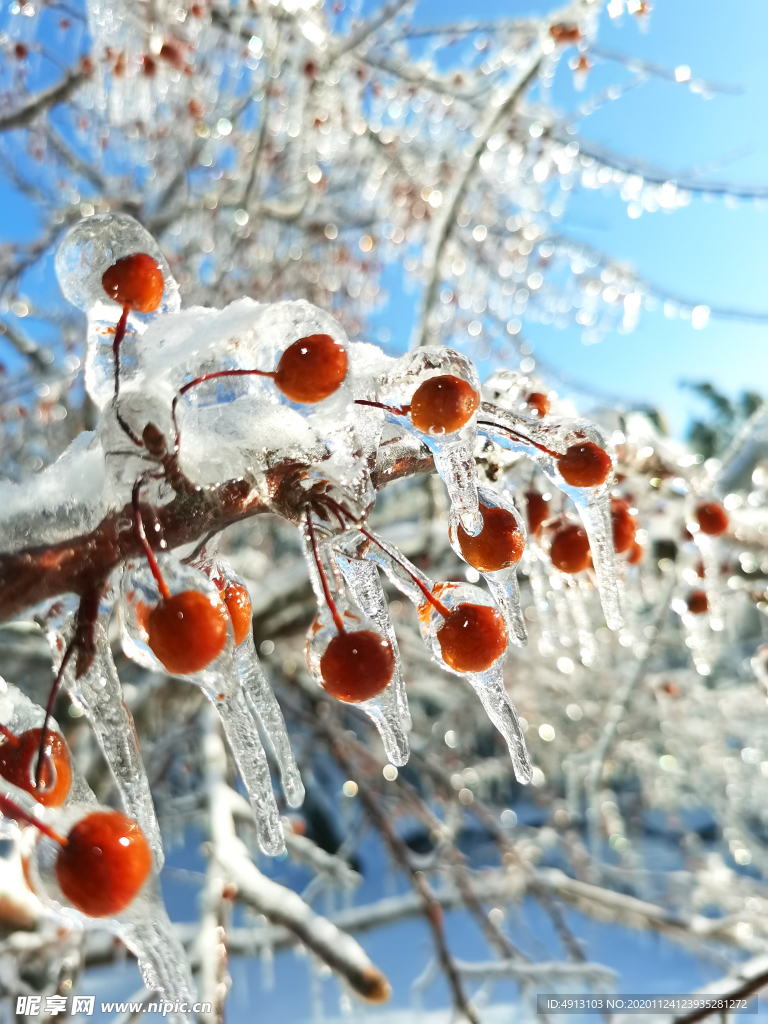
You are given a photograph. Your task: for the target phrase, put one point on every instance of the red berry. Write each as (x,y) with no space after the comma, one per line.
(712,518)
(538,511)
(539,403)
(498,545)
(18,764)
(187,631)
(472,637)
(136,282)
(565,33)
(105,863)
(442,405)
(635,553)
(311,368)
(584,465)
(357,666)
(697,602)
(624,526)
(238,604)
(569,551)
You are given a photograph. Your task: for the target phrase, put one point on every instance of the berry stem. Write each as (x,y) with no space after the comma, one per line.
(119,335)
(12,738)
(520,437)
(387,408)
(49,711)
(337,620)
(10,809)
(138,524)
(202,380)
(341,511)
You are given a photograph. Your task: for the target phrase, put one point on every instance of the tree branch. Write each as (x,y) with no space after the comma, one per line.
(44,101)
(76,565)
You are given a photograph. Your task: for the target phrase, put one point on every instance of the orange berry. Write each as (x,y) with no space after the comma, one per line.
(105,863)
(472,637)
(187,631)
(624,526)
(442,405)
(538,511)
(136,282)
(498,545)
(565,33)
(539,403)
(584,465)
(712,518)
(18,764)
(569,550)
(697,602)
(636,553)
(312,368)
(238,603)
(357,666)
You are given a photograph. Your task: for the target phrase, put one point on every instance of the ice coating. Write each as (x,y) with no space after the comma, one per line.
(143,925)
(264,706)
(488,684)
(88,249)
(389,710)
(17,714)
(385,709)
(453,452)
(99,694)
(219,681)
(67,498)
(593,503)
(502,583)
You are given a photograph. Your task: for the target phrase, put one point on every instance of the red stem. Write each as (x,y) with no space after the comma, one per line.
(10,809)
(202,380)
(49,711)
(12,738)
(337,620)
(520,437)
(122,323)
(387,408)
(340,510)
(138,524)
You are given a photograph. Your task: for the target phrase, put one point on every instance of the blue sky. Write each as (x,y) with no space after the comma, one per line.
(707,251)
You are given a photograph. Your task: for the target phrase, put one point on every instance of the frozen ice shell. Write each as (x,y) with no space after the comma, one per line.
(66,499)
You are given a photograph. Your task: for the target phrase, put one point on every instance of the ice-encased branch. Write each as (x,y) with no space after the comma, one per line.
(278,904)
(76,565)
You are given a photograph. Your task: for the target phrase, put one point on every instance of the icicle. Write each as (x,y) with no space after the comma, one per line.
(162,960)
(595,513)
(99,694)
(265,707)
(389,711)
(535,567)
(258,692)
(502,583)
(710,556)
(219,681)
(489,686)
(580,615)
